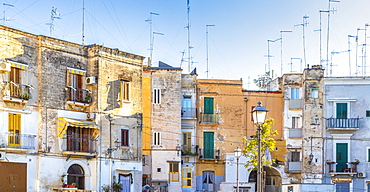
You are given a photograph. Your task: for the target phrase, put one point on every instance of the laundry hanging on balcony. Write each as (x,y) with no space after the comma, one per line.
(64,123)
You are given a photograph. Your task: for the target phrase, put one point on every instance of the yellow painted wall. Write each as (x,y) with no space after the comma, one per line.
(146,112)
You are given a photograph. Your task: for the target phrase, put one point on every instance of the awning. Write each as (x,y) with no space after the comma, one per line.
(64,123)
(18,65)
(76,71)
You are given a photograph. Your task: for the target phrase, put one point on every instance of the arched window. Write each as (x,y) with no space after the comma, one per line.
(76,175)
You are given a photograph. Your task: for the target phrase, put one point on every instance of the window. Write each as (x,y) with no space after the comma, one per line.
(76,175)
(186,142)
(75,85)
(367,113)
(186,177)
(296,122)
(125,137)
(79,139)
(341,156)
(295,156)
(156,96)
(159,170)
(368,154)
(341,110)
(124,90)
(315,93)
(208,143)
(295,93)
(208,105)
(174,171)
(157,138)
(14,130)
(208,180)
(187,109)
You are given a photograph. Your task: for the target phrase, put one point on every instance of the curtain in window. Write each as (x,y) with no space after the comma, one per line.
(125,181)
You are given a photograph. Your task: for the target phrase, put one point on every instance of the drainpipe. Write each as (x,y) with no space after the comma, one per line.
(246,116)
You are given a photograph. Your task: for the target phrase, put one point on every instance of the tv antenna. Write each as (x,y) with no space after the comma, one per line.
(6,19)
(54,15)
(189,45)
(304,24)
(83,22)
(150,21)
(328,34)
(207,45)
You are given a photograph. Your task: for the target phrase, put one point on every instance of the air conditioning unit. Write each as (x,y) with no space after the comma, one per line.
(2,155)
(91,80)
(4,66)
(361,174)
(90,116)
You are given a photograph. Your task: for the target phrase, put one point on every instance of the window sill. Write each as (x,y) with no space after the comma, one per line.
(79,154)
(13,99)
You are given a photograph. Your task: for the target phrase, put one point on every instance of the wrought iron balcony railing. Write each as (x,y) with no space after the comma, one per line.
(188,112)
(209,153)
(17,141)
(78,143)
(342,124)
(208,118)
(18,91)
(78,95)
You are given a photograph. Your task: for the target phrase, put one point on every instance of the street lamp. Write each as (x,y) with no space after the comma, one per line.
(259,116)
(238,153)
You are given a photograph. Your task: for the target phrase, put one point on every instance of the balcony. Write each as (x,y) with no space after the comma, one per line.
(212,154)
(295,104)
(78,144)
(78,96)
(16,92)
(350,124)
(17,141)
(188,112)
(295,133)
(208,118)
(294,166)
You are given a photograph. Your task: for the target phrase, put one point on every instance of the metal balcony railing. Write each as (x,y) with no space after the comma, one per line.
(295,104)
(342,123)
(295,133)
(209,153)
(294,166)
(78,143)
(17,141)
(208,118)
(78,95)
(188,112)
(16,90)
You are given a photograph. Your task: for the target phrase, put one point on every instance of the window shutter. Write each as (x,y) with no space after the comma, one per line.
(208,145)
(208,105)
(342,110)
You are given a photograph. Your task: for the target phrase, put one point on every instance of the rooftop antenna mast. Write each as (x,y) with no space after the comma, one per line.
(267,69)
(358,29)
(281,50)
(83,22)
(365,57)
(150,20)
(207,45)
(54,15)
(328,33)
(304,24)
(321,11)
(6,19)
(349,53)
(182,57)
(189,46)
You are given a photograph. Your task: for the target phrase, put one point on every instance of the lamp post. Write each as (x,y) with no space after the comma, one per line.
(238,153)
(259,116)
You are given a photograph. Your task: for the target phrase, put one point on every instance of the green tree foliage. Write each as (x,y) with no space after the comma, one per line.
(267,143)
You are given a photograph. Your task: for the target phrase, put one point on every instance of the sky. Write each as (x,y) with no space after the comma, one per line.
(238,43)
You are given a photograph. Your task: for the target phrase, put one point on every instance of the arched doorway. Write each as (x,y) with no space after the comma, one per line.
(76,175)
(271,177)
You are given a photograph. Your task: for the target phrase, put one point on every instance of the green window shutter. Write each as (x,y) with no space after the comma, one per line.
(368,155)
(341,110)
(342,156)
(208,105)
(208,145)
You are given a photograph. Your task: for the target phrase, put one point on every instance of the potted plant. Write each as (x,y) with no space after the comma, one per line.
(356,162)
(26,96)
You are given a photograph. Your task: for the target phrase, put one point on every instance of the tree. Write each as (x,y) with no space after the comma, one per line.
(267,143)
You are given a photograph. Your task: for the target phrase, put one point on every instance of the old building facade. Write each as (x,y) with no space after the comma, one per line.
(71,114)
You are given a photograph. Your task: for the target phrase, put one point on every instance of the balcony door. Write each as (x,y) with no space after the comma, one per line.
(208,144)
(342,111)
(342,156)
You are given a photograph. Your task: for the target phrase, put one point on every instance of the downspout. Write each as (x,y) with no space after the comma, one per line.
(246,116)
